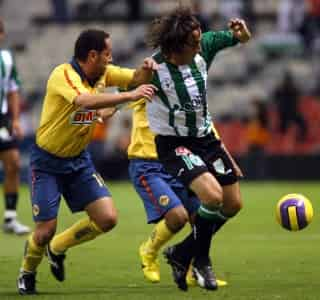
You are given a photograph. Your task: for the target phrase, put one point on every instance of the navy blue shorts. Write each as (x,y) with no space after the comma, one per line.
(51,177)
(158,190)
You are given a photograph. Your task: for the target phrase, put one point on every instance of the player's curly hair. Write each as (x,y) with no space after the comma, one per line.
(170,32)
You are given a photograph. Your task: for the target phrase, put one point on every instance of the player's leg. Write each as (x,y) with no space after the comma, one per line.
(221,166)
(232,204)
(162,206)
(84,190)
(11,165)
(33,254)
(197,244)
(45,197)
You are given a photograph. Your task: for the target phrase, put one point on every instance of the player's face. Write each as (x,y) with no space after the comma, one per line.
(192,46)
(103,58)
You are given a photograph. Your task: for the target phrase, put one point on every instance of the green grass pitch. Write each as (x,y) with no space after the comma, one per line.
(259,259)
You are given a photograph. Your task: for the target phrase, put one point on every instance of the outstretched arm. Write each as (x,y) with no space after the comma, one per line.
(240,30)
(104,100)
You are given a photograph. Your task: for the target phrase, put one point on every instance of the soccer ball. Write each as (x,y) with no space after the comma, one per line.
(294,212)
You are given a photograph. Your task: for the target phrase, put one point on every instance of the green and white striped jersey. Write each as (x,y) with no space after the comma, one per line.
(180,105)
(9,81)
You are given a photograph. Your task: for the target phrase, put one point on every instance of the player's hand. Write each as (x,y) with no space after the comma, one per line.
(144,91)
(240,30)
(150,64)
(17,129)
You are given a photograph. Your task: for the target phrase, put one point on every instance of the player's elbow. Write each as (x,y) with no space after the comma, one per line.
(84,101)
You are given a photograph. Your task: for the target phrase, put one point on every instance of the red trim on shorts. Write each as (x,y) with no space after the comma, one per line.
(152,197)
(66,75)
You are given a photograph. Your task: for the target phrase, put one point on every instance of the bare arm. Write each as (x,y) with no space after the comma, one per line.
(14,107)
(104,100)
(240,30)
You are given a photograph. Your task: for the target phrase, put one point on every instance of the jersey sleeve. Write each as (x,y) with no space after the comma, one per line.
(120,77)
(214,41)
(65,83)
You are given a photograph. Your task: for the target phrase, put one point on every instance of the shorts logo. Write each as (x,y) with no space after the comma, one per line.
(164,200)
(83,117)
(35,209)
(220,167)
(180,151)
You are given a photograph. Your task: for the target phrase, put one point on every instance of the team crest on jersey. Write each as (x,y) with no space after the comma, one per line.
(100,87)
(164,200)
(167,83)
(35,209)
(83,117)
(180,151)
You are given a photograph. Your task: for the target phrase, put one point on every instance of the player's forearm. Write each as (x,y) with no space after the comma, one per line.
(141,76)
(14,105)
(89,101)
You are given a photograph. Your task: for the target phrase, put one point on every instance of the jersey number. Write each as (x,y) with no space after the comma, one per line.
(192,160)
(99,179)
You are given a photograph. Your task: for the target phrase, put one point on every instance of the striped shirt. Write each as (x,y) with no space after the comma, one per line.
(180,106)
(9,80)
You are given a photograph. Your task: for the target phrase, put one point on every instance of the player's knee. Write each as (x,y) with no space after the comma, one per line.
(12,168)
(234,206)
(43,236)
(176,218)
(108,222)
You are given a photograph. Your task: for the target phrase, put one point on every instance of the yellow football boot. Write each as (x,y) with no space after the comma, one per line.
(149,264)
(190,279)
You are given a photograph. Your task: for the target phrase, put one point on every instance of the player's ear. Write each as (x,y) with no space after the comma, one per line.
(92,55)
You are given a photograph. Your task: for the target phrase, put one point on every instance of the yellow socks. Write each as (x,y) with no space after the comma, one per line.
(159,236)
(78,233)
(32,255)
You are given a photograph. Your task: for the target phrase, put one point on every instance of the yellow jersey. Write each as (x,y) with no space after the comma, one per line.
(65,130)
(142,143)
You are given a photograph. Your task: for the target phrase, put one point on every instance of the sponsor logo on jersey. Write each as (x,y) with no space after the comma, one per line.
(167,84)
(82,117)
(100,87)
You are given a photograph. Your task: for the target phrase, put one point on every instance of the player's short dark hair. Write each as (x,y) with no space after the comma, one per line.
(170,32)
(88,40)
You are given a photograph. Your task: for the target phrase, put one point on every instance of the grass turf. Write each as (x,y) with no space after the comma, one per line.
(259,259)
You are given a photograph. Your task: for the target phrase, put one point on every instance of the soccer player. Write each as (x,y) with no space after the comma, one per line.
(186,144)
(10,133)
(167,202)
(60,164)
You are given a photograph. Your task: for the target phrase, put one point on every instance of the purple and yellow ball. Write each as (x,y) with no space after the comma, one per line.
(294,212)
